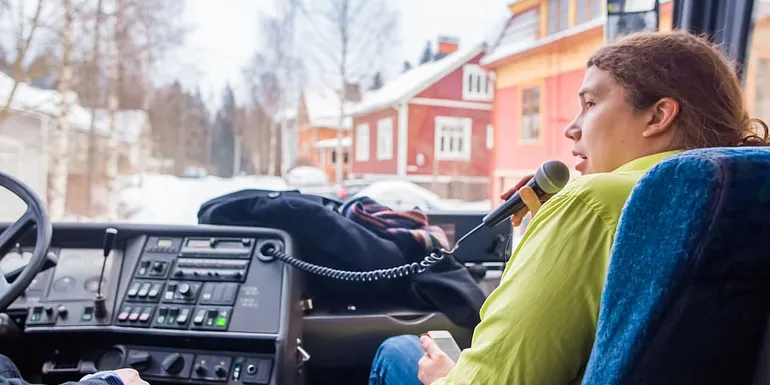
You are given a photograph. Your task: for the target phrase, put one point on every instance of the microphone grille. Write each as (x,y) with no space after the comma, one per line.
(552,176)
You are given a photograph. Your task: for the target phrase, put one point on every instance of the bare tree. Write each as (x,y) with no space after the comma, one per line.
(274,76)
(94,85)
(26,30)
(57,194)
(141,34)
(349,41)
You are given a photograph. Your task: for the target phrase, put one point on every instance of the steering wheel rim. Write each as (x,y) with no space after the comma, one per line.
(36,214)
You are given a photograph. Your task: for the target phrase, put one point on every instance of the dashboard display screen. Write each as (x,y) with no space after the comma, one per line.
(204,243)
(77,274)
(164,243)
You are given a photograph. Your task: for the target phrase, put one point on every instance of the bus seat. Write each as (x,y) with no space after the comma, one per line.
(687,292)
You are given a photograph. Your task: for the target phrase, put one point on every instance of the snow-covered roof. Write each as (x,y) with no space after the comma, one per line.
(289,113)
(332,143)
(506,48)
(414,81)
(32,100)
(323,109)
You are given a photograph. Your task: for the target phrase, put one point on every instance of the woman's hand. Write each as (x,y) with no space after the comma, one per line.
(435,364)
(528,196)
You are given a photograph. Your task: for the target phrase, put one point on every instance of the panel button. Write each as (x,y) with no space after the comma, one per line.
(37,314)
(207,293)
(228,296)
(222,318)
(143,268)
(173,313)
(184,315)
(170,290)
(124,313)
(161,318)
(154,290)
(144,290)
(146,314)
(211,317)
(134,314)
(133,289)
(88,314)
(199,316)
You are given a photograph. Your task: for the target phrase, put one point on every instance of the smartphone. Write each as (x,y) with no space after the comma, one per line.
(446,342)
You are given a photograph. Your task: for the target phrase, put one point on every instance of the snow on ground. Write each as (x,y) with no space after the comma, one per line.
(169,199)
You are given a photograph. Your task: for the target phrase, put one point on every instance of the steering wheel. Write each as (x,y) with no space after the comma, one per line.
(36,214)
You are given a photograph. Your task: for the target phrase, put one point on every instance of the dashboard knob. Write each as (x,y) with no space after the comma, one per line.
(173,363)
(157,267)
(184,289)
(138,360)
(220,371)
(200,369)
(62,311)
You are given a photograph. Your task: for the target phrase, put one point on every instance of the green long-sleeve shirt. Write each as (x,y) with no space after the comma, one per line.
(538,326)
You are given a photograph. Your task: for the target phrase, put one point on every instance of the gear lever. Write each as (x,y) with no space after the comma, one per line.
(100,302)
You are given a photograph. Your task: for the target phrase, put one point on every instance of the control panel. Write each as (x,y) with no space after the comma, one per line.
(198,283)
(156,364)
(172,298)
(191,365)
(64,295)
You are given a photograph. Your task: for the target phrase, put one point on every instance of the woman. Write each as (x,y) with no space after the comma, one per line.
(643,98)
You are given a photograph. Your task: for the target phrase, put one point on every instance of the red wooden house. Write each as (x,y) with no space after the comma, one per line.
(430,125)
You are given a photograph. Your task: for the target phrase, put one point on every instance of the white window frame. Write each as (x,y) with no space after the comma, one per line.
(478,84)
(385,139)
(490,136)
(463,134)
(362,142)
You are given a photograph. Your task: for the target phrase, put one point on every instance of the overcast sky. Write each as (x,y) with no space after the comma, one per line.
(225,33)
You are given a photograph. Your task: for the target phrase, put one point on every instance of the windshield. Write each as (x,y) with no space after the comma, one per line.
(142,110)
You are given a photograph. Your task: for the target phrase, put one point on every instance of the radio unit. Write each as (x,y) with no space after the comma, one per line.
(201,283)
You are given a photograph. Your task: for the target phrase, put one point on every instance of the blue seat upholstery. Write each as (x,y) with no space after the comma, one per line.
(687,292)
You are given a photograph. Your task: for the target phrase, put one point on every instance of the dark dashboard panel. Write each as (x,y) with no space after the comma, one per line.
(166,286)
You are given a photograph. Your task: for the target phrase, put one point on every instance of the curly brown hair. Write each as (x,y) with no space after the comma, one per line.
(692,71)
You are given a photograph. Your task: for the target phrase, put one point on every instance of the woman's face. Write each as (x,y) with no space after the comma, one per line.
(607,130)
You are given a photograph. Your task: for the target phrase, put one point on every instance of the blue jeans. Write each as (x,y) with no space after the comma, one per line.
(7,368)
(396,361)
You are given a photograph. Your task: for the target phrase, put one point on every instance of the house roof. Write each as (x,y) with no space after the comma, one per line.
(33,100)
(410,83)
(504,48)
(28,99)
(289,113)
(332,143)
(323,109)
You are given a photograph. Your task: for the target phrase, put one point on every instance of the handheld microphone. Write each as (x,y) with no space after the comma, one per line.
(550,178)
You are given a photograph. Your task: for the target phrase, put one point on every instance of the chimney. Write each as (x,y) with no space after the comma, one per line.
(446,45)
(353,92)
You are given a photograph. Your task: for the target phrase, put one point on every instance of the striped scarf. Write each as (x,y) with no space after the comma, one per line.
(370,214)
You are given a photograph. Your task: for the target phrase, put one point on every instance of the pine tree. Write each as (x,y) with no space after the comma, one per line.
(427,53)
(407,66)
(376,82)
